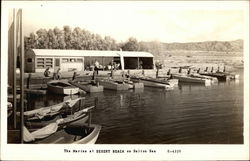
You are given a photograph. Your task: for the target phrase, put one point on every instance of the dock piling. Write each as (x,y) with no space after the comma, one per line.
(28,81)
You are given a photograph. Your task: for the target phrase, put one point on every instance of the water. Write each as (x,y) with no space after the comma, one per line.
(190,114)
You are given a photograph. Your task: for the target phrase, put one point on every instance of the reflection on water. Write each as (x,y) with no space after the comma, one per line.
(189,114)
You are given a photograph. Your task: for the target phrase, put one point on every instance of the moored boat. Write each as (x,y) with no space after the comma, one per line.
(62,87)
(45,112)
(213,79)
(219,76)
(191,79)
(80,116)
(151,82)
(87,86)
(113,85)
(129,83)
(71,134)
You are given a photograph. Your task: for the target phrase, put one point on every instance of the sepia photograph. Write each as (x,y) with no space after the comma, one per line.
(144,79)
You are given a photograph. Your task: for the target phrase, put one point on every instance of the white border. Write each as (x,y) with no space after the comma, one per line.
(188,152)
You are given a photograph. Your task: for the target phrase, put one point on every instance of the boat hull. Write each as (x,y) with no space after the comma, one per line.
(153,84)
(113,85)
(188,79)
(62,87)
(88,87)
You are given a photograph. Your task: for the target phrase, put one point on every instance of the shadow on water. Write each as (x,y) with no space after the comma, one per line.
(189,114)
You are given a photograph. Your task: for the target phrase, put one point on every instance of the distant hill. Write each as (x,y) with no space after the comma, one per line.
(221,46)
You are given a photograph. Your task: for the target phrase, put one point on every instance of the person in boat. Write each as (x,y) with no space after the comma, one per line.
(47,72)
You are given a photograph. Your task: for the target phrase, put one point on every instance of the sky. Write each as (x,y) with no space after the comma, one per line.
(146,21)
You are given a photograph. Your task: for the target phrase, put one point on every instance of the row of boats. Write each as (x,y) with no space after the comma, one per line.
(63,123)
(137,81)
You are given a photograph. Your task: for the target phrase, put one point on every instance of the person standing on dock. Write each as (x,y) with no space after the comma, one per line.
(96,67)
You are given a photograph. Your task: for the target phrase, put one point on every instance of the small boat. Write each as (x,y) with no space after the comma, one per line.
(71,134)
(80,116)
(152,82)
(129,83)
(230,75)
(47,112)
(87,86)
(62,87)
(191,79)
(213,79)
(219,76)
(113,85)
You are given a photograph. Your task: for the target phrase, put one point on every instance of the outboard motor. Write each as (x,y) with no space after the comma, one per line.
(169,71)
(180,70)
(198,71)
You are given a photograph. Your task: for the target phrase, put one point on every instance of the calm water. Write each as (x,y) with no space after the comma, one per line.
(190,114)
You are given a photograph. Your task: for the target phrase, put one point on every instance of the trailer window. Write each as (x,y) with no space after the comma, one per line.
(79,60)
(65,60)
(44,62)
(40,63)
(48,62)
(72,60)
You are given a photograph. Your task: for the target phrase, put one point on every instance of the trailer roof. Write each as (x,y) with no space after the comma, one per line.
(80,53)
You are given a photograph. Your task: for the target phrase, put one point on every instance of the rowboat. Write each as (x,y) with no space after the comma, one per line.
(73,134)
(213,79)
(129,83)
(87,86)
(50,111)
(219,76)
(151,82)
(80,116)
(191,79)
(113,85)
(62,87)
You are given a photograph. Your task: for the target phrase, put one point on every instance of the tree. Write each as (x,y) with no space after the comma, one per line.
(67,37)
(42,41)
(131,45)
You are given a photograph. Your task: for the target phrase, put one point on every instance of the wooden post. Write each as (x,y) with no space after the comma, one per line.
(138,63)
(102,65)
(112,69)
(157,72)
(212,69)
(14,69)
(74,76)
(28,80)
(206,69)
(224,70)
(218,70)
(21,74)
